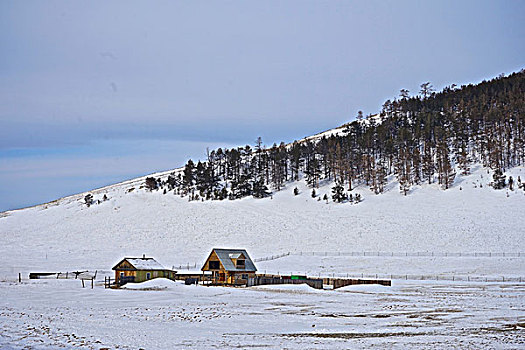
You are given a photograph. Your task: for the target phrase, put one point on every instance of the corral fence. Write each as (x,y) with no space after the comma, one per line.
(429,277)
(188,266)
(417,254)
(80,275)
(272,257)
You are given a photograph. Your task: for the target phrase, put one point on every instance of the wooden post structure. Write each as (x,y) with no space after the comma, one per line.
(92,282)
(82,283)
(19,277)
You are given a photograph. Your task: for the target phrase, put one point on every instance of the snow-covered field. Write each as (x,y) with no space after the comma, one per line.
(68,236)
(59,313)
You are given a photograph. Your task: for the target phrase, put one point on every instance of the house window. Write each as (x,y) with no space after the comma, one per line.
(214,265)
(148,276)
(240,264)
(122,274)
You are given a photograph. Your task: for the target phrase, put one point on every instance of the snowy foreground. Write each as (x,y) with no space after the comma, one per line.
(472,300)
(168,315)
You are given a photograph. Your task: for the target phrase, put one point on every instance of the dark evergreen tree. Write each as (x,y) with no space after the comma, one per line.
(151,183)
(338,193)
(188,178)
(260,190)
(88,199)
(499,180)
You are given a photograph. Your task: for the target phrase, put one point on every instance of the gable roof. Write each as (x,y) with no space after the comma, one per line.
(226,255)
(142,264)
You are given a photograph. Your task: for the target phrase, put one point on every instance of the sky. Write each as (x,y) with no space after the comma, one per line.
(92,93)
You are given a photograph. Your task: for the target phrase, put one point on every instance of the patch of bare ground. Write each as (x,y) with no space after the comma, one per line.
(356,335)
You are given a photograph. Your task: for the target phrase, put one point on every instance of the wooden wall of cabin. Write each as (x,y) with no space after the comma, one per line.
(213,257)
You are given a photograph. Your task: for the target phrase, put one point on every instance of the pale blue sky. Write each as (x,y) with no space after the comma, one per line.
(100,91)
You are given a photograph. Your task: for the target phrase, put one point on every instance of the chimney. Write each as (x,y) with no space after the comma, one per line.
(144,256)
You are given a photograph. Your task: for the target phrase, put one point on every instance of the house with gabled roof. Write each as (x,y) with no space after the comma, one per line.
(230,266)
(140,270)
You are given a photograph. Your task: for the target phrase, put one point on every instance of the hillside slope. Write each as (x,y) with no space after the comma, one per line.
(69,235)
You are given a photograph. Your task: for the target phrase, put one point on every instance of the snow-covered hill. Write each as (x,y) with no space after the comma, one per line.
(66,234)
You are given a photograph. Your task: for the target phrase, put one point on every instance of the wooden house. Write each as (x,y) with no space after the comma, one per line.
(140,270)
(230,266)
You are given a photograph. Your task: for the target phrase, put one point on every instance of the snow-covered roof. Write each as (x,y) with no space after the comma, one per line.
(226,255)
(143,263)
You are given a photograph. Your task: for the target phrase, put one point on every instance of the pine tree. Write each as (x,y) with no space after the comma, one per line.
(88,199)
(499,180)
(259,189)
(189,175)
(338,193)
(151,183)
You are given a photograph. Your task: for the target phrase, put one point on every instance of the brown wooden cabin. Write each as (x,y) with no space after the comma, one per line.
(230,266)
(140,270)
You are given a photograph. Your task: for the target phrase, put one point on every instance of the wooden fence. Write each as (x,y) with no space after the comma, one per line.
(317,283)
(418,254)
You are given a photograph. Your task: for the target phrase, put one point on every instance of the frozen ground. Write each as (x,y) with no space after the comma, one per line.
(60,314)
(68,236)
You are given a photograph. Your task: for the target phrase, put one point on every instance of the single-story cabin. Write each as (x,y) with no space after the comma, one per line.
(140,270)
(230,266)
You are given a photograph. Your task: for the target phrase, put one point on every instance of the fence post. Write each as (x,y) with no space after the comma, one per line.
(82,283)
(19,277)
(92,283)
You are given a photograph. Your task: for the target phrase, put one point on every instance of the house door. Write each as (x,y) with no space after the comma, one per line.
(222,277)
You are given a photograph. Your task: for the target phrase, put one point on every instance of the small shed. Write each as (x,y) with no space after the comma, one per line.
(230,266)
(140,270)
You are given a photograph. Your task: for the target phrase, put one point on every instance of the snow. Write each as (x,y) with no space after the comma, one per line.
(145,264)
(59,313)
(322,239)
(154,284)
